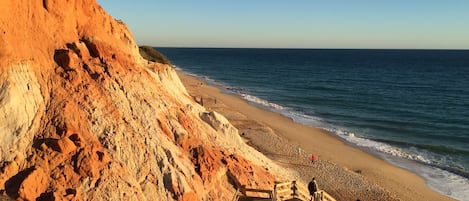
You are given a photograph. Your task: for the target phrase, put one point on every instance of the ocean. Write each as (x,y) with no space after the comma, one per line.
(409,107)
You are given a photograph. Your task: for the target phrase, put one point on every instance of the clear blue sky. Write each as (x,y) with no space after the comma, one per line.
(416,24)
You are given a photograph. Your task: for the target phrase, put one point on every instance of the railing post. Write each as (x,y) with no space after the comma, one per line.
(235,196)
(243,190)
(293,188)
(274,192)
(318,196)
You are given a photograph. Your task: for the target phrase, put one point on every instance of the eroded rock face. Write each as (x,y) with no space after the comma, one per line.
(84,117)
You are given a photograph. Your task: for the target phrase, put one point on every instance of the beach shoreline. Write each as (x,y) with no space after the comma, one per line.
(345,171)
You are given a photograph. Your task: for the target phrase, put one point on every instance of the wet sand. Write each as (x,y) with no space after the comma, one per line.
(345,172)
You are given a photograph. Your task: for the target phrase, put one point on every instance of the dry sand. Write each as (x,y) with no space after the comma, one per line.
(345,172)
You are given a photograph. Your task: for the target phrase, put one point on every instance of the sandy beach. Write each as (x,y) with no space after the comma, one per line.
(344,171)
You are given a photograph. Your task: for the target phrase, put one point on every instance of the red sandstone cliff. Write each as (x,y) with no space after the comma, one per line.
(84,117)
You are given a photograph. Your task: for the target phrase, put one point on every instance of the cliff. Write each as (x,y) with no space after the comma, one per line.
(84,117)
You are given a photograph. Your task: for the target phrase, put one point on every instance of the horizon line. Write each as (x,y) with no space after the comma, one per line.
(305,48)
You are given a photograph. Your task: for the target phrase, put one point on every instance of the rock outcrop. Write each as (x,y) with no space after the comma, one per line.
(84,117)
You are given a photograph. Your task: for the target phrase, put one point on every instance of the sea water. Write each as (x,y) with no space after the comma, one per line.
(409,107)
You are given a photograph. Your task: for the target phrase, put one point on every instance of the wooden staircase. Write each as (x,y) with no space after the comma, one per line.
(281,192)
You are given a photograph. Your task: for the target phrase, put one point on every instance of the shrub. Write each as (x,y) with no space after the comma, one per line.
(150,54)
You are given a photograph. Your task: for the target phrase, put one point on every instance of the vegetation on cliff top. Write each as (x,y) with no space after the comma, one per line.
(150,54)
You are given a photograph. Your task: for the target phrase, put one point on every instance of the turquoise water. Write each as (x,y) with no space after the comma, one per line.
(410,107)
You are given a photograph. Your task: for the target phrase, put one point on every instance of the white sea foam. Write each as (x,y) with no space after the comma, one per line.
(285,111)
(262,102)
(177,68)
(378,146)
(187,72)
(306,119)
(440,180)
(206,79)
(445,182)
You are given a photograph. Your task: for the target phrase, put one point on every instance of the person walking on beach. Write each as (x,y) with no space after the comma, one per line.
(313,158)
(312,188)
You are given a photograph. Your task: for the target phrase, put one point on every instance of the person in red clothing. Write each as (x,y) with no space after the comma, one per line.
(313,158)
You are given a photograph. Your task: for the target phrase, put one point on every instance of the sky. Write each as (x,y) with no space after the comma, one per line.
(395,24)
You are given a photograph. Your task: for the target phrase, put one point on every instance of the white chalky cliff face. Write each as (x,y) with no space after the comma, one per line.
(84,117)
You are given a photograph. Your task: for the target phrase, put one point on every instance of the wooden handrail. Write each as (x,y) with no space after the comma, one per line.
(303,192)
(284,191)
(280,185)
(236,195)
(292,189)
(245,190)
(326,196)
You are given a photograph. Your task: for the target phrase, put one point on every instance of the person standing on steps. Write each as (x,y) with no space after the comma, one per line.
(313,188)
